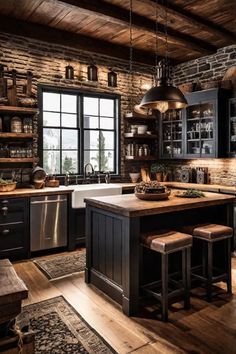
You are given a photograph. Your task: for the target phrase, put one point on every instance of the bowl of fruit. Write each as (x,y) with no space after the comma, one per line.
(152,190)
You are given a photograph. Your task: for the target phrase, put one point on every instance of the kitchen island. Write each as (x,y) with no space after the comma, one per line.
(115,263)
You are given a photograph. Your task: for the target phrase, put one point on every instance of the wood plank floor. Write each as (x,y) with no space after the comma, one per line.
(206,328)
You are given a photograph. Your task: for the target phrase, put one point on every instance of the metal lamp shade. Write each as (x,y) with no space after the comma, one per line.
(92,73)
(112,79)
(164,97)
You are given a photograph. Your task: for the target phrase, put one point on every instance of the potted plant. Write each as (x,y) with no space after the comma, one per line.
(161,170)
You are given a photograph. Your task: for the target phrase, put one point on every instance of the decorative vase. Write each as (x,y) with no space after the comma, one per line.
(134,176)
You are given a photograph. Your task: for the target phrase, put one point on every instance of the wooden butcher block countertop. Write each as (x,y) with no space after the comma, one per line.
(129,205)
(30,192)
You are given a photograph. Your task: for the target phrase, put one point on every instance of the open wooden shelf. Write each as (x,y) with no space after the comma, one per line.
(18,159)
(16,109)
(146,118)
(18,135)
(140,158)
(140,136)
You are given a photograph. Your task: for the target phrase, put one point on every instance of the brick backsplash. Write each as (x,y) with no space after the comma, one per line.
(47,63)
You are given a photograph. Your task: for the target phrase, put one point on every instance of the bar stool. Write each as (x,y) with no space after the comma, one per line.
(166,242)
(209,234)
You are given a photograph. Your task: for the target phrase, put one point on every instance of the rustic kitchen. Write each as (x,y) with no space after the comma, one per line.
(117,176)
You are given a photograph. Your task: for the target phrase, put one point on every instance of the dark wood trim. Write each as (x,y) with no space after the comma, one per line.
(118,15)
(68,39)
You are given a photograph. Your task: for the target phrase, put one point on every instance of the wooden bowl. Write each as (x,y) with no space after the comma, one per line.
(52,183)
(8,187)
(153,196)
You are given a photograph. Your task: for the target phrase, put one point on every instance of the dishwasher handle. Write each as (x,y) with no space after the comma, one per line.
(48,201)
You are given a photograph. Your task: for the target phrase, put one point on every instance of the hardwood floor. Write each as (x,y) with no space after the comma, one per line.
(206,328)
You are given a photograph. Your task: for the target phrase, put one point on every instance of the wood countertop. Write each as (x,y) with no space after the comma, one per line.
(129,205)
(30,192)
(203,187)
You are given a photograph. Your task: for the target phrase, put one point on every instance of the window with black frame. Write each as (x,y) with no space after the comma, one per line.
(78,128)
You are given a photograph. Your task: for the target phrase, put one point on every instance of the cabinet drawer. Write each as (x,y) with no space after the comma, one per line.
(12,210)
(12,238)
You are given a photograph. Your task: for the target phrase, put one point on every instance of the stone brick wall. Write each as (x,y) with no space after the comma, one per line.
(47,63)
(208,68)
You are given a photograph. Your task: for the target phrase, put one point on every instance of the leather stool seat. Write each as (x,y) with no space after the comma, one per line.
(166,241)
(212,231)
(208,235)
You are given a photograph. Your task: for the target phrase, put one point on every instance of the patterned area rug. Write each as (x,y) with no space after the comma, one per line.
(59,329)
(63,265)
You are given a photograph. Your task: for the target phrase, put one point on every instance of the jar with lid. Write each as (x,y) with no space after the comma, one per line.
(27,125)
(16,125)
(141,151)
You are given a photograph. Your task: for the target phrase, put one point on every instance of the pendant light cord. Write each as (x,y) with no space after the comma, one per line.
(131,54)
(156,43)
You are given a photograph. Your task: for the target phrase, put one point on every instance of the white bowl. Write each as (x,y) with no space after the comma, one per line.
(142,129)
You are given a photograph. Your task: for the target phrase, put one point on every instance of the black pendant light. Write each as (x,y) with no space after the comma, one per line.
(112,79)
(92,73)
(69,71)
(163,95)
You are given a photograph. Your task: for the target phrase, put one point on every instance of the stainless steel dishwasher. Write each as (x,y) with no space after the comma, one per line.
(48,222)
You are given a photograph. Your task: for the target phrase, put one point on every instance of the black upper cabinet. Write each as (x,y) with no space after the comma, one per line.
(232,127)
(202,125)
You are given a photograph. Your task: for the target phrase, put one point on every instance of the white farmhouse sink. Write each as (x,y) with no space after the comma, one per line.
(92,190)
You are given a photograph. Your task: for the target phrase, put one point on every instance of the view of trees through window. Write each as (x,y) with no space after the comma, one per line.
(78,129)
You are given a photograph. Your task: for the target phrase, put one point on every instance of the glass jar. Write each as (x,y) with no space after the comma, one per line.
(27,125)
(16,125)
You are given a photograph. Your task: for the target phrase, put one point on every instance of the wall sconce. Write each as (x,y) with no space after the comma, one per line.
(92,72)
(69,72)
(112,79)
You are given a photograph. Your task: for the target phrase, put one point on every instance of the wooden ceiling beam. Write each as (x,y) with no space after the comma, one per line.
(76,41)
(194,20)
(118,15)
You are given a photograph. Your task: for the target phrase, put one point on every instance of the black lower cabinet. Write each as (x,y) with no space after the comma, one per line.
(14,228)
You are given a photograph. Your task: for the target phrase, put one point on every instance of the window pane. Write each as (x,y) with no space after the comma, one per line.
(69,161)
(106,107)
(91,106)
(69,103)
(68,120)
(107,161)
(51,119)
(107,123)
(69,139)
(91,139)
(90,122)
(93,158)
(51,161)
(107,140)
(51,101)
(51,138)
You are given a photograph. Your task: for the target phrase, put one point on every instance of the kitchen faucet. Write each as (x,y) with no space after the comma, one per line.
(67,179)
(86,175)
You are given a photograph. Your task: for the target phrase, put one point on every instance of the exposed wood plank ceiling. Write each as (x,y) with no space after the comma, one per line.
(195,27)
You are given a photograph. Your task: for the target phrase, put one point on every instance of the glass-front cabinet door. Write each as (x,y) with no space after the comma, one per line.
(200,129)
(232,127)
(172,134)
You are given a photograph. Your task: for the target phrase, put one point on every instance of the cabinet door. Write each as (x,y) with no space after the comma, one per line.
(172,134)
(14,228)
(232,127)
(201,129)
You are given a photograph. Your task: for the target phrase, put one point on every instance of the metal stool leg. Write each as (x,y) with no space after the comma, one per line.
(188,278)
(209,270)
(228,255)
(164,284)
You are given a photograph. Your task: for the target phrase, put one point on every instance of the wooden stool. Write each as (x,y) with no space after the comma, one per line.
(166,242)
(209,234)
